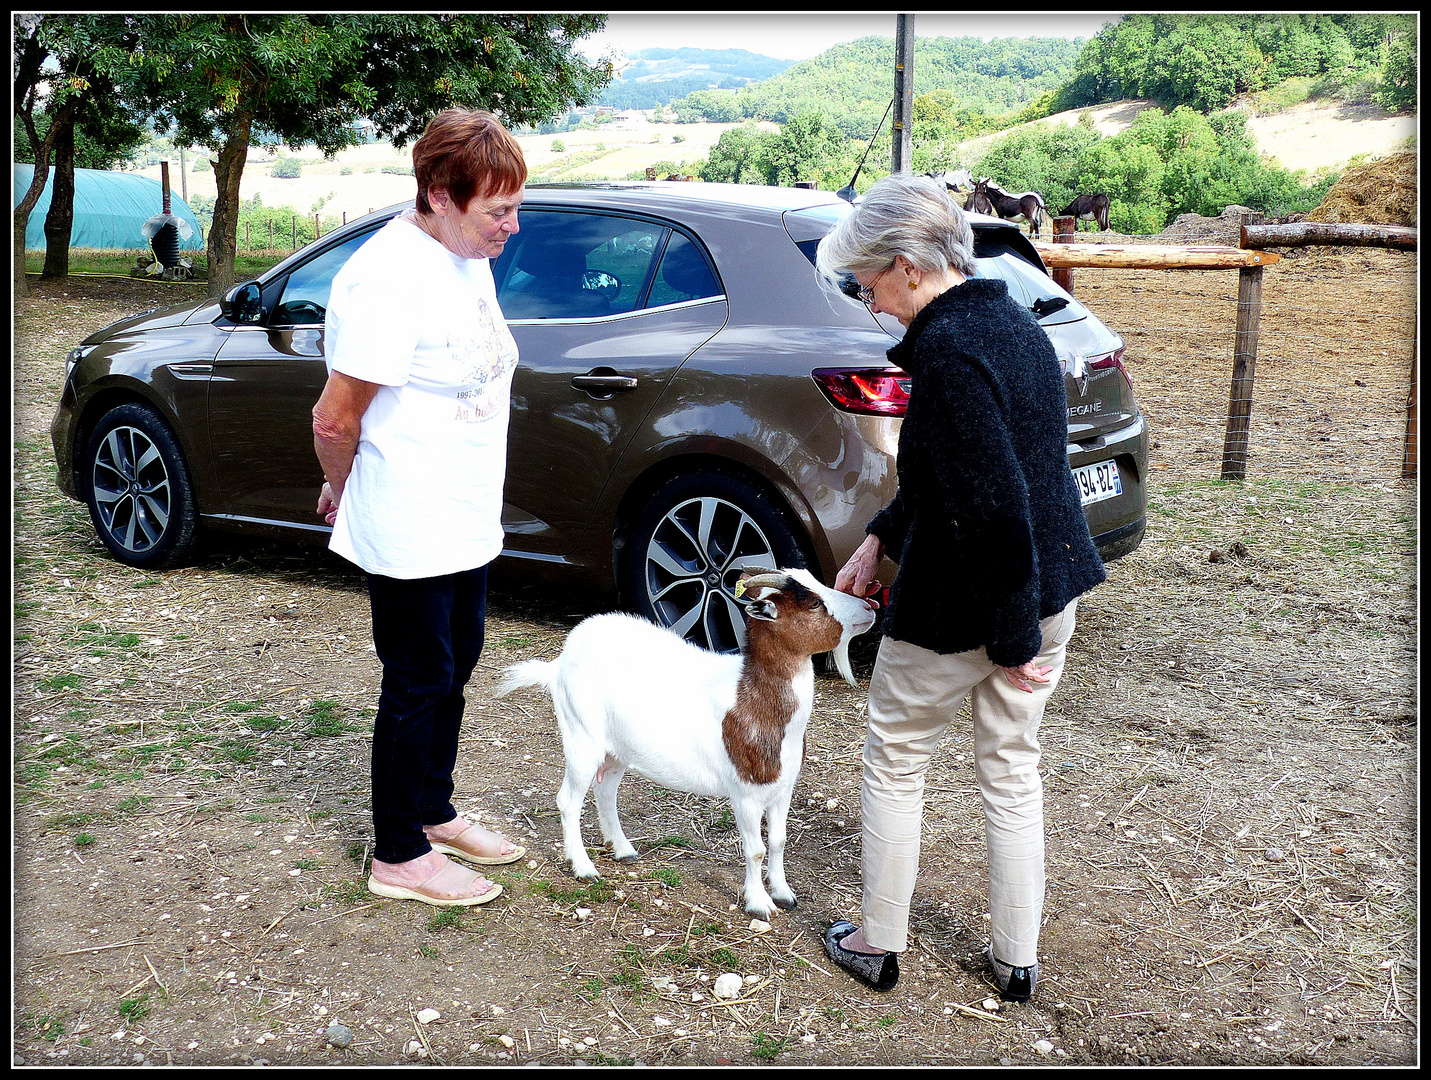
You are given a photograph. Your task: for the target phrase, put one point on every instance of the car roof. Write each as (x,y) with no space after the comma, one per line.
(671,196)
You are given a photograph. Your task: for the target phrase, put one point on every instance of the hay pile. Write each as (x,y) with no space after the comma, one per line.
(1381,193)
(1225,229)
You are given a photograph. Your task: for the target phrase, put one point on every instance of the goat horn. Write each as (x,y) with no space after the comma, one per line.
(761,579)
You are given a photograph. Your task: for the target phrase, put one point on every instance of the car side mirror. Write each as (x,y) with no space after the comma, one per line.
(243,303)
(599,281)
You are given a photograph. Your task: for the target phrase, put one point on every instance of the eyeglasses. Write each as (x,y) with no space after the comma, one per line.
(864,294)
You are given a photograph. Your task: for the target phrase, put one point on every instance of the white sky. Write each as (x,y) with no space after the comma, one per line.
(800,35)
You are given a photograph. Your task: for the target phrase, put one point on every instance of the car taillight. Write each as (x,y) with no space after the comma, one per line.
(1112,360)
(867,391)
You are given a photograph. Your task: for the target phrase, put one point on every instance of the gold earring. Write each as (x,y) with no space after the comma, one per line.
(913,285)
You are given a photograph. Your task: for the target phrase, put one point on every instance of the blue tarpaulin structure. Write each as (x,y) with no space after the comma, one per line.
(110,209)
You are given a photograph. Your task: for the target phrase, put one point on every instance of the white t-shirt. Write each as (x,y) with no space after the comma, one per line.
(424,498)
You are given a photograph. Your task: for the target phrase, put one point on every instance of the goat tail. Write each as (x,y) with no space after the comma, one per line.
(528,673)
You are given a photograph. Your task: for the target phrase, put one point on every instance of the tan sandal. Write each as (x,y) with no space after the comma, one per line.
(449,847)
(424,895)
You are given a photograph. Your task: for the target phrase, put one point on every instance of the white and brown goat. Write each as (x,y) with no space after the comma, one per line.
(629,694)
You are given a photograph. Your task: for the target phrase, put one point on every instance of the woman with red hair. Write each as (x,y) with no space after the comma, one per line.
(411,431)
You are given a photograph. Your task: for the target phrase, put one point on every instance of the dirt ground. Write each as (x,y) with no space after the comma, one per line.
(1230,771)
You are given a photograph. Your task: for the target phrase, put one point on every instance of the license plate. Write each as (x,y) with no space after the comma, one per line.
(1098,482)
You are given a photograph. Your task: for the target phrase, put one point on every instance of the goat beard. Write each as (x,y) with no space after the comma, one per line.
(841,653)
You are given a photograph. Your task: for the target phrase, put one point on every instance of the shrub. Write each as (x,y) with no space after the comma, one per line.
(558,147)
(287,168)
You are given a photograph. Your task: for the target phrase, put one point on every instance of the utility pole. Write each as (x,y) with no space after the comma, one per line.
(901,154)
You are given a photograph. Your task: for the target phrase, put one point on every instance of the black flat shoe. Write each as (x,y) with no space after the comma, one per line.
(879,970)
(1014,983)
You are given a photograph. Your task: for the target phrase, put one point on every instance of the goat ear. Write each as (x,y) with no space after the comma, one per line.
(764,610)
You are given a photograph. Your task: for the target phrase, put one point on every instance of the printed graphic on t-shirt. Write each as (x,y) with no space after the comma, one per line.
(486,358)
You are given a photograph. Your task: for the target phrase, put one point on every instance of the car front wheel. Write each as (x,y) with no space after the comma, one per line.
(688,548)
(138,491)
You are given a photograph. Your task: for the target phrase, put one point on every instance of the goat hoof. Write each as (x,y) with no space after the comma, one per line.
(633,857)
(785,905)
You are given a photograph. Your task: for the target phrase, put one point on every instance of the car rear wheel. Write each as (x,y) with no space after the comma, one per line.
(138,491)
(688,548)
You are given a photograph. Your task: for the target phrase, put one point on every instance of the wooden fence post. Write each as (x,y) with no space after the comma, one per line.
(247,236)
(1244,368)
(1065,230)
(1408,459)
(317,228)
(270,234)
(295,232)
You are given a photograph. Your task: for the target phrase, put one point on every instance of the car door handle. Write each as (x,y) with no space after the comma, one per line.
(603,382)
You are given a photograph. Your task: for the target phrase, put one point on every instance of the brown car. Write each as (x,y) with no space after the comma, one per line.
(689,401)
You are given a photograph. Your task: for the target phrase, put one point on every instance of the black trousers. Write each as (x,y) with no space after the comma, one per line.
(428,634)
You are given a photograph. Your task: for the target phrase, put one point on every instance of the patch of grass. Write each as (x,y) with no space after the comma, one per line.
(258,819)
(667,875)
(83,840)
(768,1046)
(68,681)
(133,803)
(516,642)
(134,1009)
(351,892)
(238,751)
(324,720)
(265,723)
(724,820)
(598,892)
(725,958)
(449,918)
(429,952)
(46,1027)
(69,821)
(308,864)
(704,928)
(243,706)
(591,989)
(673,841)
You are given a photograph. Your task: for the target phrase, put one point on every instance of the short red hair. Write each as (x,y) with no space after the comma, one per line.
(468,153)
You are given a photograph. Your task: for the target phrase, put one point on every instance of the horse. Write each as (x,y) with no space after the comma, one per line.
(1089,208)
(1025,206)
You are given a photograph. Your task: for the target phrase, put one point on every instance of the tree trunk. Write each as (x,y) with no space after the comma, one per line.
(228,172)
(63,117)
(59,222)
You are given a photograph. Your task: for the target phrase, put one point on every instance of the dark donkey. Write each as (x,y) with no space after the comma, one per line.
(1089,208)
(988,197)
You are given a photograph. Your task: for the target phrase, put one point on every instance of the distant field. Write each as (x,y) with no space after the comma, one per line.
(366,187)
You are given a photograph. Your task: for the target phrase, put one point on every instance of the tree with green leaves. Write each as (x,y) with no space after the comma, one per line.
(63,69)
(807,149)
(732,160)
(222,79)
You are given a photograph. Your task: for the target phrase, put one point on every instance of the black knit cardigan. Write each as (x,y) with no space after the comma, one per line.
(986,526)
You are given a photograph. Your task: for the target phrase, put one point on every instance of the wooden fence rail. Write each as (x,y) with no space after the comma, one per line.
(1065,254)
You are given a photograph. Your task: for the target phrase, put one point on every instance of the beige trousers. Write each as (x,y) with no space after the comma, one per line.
(914,695)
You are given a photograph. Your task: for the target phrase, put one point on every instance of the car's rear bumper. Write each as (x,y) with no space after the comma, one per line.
(1118,524)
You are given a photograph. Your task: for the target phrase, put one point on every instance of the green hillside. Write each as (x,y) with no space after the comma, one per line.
(853,82)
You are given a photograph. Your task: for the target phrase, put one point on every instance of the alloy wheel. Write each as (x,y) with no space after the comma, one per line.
(132,491)
(692,564)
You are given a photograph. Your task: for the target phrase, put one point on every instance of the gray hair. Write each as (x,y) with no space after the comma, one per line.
(913,216)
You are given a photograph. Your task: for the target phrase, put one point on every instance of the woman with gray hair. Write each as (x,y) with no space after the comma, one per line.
(993,550)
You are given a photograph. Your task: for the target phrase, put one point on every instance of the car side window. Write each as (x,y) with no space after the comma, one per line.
(576,266)
(305,294)
(683,275)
